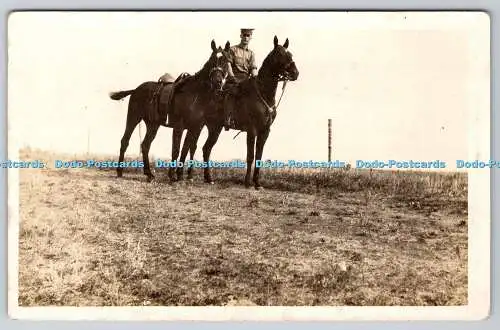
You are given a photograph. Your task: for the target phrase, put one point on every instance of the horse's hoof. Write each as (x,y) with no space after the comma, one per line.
(191,180)
(119,175)
(151,178)
(259,188)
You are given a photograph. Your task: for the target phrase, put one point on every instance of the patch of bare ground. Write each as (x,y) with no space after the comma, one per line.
(90,239)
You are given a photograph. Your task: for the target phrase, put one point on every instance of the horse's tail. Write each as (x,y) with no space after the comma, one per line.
(120,95)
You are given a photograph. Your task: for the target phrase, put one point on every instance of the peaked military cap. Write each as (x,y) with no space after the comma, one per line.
(243,31)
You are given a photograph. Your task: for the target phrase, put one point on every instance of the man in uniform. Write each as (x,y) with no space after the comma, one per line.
(241,67)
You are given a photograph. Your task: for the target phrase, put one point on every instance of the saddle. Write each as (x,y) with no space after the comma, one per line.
(162,100)
(166,78)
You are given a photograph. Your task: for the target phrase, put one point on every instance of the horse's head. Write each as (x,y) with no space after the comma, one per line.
(282,63)
(218,64)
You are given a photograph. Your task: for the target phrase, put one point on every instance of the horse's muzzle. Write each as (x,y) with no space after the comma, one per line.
(294,76)
(292,73)
(219,84)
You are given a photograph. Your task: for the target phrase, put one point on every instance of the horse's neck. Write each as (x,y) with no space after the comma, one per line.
(267,85)
(202,75)
(195,83)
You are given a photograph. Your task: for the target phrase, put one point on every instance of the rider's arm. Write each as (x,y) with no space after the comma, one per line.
(253,67)
(230,72)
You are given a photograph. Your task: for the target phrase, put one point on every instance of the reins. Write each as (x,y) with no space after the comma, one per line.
(282,92)
(274,107)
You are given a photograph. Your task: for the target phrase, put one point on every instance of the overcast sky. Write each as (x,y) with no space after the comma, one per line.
(396,85)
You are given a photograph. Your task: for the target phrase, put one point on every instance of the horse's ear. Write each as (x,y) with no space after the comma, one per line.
(286,43)
(214,48)
(275,41)
(227,47)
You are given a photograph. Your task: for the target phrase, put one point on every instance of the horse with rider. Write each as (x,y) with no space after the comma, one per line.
(227,92)
(240,67)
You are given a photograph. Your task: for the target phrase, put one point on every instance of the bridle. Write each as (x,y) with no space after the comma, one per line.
(284,75)
(218,69)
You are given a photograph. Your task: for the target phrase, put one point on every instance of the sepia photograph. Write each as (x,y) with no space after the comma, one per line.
(192,165)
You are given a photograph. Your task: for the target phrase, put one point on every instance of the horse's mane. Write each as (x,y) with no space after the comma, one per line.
(266,64)
(204,71)
(265,77)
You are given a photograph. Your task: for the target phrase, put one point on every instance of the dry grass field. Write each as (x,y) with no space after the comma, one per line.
(329,237)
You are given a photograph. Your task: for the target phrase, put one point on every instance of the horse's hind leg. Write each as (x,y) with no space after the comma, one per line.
(151,130)
(131,124)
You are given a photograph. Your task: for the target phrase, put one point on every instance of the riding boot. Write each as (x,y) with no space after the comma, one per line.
(227,123)
(168,122)
(172,121)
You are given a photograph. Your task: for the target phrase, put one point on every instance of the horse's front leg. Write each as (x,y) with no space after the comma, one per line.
(250,156)
(261,141)
(176,146)
(191,138)
(213,136)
